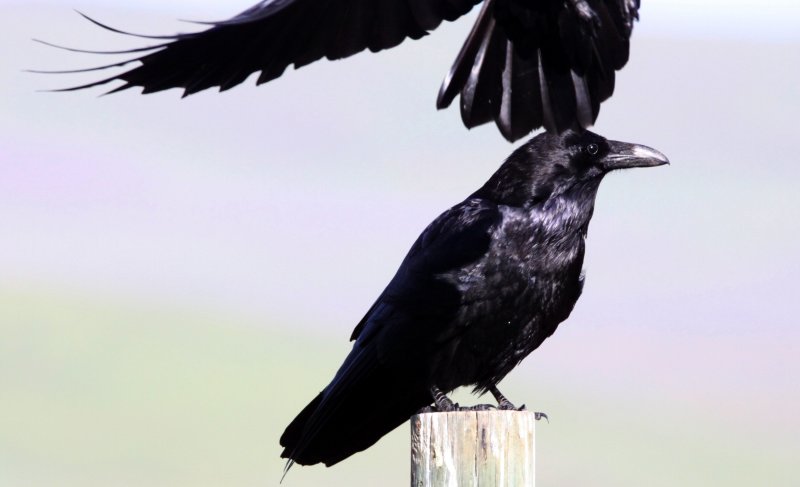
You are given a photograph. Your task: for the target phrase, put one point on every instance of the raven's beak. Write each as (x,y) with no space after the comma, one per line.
(622,155)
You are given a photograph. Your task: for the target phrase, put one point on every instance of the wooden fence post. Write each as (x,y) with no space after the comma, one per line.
(473,448)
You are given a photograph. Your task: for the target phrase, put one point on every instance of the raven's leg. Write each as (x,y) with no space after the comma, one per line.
(505,405)
(443,403)
(502,402)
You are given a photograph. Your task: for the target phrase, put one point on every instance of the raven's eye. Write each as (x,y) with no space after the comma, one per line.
(592,148)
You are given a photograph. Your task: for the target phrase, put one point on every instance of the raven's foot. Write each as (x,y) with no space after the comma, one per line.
(504,404)
(479,407)
(456,407)
(443,404)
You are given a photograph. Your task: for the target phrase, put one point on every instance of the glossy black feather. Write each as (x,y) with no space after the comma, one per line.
(483,286)
(275,34)
(525,64)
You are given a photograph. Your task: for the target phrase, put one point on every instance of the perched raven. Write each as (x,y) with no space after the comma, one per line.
(480,289)
(526,63)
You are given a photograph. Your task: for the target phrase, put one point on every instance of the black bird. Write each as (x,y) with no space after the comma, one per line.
(525,64)
(480,289)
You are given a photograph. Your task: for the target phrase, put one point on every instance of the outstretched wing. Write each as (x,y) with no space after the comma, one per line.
(533,63)
(274,34)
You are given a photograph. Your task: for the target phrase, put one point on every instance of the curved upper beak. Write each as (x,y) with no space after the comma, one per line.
(622,155)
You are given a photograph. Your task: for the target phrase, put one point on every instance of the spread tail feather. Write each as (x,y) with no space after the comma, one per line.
(519,91)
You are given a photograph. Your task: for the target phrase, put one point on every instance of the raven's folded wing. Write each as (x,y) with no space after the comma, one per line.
(274,34)
(393,344)
(418,299)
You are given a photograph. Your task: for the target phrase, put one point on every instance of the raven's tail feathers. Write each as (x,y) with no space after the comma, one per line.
(362,404)
(519,91)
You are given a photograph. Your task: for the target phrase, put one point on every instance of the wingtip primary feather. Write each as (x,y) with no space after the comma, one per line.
(85,86)
(118,31)
(83,70)
(89,51)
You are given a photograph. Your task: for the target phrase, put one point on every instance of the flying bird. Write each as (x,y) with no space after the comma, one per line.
(526,63)
(481,288)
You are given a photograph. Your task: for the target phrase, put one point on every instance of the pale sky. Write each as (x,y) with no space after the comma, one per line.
(775,20)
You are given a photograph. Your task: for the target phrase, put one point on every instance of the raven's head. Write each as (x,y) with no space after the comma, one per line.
(572,162)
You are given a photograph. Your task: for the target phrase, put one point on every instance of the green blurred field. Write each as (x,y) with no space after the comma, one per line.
(98,393)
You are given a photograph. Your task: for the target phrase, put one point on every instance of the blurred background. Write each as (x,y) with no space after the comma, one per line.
(179,277)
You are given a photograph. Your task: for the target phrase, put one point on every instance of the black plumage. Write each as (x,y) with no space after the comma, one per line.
(483,286)
(525,64)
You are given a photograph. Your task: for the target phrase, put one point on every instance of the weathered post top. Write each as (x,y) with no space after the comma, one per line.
(473,448)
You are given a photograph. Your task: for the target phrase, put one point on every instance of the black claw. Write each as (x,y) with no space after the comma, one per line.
(539,416)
